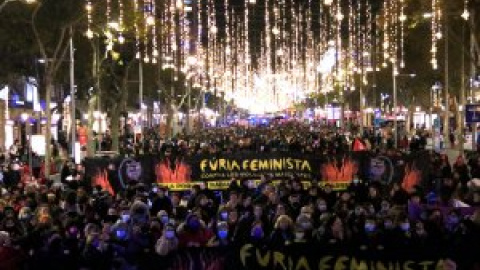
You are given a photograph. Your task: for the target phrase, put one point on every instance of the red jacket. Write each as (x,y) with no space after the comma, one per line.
(194,239)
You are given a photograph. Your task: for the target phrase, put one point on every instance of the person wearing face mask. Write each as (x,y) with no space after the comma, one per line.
(369,239)
(405,226)
(246,222)
(168,242)
(223,214)
(282,234)
(403,233)
(452,221)
(414,207)
(322,206)
(388,232)
(300,236)
(163,217)
(257,233)
(320,211)
(193,232)
(221,238)
(303,229)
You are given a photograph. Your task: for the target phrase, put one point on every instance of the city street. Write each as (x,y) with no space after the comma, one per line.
(239,134)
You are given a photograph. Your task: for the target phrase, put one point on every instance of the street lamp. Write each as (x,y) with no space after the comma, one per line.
(4,4)
(395,122)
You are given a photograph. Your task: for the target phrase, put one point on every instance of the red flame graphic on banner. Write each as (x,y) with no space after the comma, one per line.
(332,173)
(412,177)
(165,174)
(101,179)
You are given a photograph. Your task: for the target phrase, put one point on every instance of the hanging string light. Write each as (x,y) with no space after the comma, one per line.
(109,11)
(369,39)
(120,38)
(89,9)
(154,34)
(436,26)
(120,15)
(338,42)
(402,18)
(350,50)
(394,33)
(278,64)
(386,32)
(465,14)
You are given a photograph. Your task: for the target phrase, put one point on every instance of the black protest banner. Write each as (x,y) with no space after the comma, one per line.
(306,257)
(314,257)
(180,173)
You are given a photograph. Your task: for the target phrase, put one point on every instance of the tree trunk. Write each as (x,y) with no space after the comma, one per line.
(170,112)
(115,128)
(118,108)
(93,100)
(48,134)
(410,117)
(90,141)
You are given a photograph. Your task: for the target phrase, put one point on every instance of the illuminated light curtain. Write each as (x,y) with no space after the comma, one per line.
(436,30)
(89,9)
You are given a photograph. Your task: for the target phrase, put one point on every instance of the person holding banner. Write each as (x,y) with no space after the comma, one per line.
(168,242)
(282,234)
(193,232)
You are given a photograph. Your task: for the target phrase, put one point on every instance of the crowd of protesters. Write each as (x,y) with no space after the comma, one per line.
(71,225)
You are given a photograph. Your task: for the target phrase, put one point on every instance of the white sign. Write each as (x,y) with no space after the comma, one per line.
(38,144)
(78,153)
(333,113)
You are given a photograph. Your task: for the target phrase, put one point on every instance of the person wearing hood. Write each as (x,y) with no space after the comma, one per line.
(193,232)
(139,213)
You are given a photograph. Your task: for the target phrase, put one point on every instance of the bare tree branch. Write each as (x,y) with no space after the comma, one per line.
(59,61)
(60,43)
(41,46)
